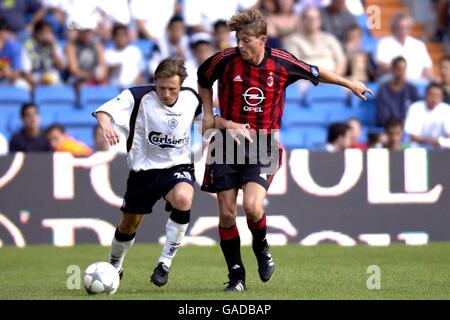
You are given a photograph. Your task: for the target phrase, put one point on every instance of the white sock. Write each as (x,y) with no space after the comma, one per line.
(174,235)
(118,251)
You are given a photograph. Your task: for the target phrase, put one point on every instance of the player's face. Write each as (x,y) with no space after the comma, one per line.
(168,89)
(250,47)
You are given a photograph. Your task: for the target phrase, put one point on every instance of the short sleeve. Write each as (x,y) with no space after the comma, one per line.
(210,70)
(119,108)
(412,125)
(297,69)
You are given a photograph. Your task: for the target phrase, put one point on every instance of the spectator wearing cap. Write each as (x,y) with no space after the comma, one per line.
(86,57)
(124,60)
(400,43)
(30,137)
(428,121)
(395,96)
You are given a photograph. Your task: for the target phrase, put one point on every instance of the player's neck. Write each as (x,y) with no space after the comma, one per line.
(256,61)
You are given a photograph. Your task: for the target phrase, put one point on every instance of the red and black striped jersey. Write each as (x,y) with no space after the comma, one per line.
(254,94)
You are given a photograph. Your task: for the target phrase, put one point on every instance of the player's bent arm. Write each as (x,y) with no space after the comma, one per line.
(208,117)
(105,123)
(357,87)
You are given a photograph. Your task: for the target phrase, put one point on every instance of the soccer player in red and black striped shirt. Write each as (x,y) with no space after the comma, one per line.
(252,83)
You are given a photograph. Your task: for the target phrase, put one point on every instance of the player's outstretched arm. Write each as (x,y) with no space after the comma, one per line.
(357,87)
(108,132)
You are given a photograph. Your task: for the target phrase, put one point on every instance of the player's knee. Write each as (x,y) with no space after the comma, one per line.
(253,210)
(182,200)
(228,215)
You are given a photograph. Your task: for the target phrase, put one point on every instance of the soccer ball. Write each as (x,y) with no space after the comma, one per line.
(101,277)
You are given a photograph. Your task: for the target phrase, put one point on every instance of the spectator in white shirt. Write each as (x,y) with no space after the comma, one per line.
(400,43)
(428,122)
(152,16)
(175,44)
(125,61)
(200,15)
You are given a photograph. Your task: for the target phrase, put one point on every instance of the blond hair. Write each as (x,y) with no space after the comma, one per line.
(252,22)
(171,67)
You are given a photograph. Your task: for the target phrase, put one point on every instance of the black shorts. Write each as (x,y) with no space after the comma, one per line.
(145,188)
(222,177)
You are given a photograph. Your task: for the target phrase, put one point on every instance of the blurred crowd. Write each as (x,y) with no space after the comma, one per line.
(120,42)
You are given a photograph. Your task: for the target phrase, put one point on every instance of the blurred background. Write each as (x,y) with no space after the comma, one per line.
(61,59)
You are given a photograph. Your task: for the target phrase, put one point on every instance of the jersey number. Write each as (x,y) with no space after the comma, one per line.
(183,175)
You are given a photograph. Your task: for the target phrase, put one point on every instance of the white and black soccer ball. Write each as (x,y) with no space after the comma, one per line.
(101,277)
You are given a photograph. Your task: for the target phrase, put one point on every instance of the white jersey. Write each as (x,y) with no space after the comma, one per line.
(158,136)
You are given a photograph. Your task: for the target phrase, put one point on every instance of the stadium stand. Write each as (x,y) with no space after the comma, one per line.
(93,96)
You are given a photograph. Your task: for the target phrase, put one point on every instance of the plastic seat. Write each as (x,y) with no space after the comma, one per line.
(76,118)
(94,96)
(12,98)
(326,93)
(55,98)
(315,137)
(292,138)
(84,134)
(293,93)
(297,115)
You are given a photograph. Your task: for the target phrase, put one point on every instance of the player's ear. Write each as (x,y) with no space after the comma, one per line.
(263,39)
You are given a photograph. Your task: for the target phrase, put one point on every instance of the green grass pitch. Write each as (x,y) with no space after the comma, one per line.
(321,272)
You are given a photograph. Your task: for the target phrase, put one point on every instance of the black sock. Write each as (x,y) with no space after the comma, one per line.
(259,232)
(230,243)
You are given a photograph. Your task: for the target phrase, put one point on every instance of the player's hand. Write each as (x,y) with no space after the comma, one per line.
(359,89)
(207,123)
(109,134)
(239,129)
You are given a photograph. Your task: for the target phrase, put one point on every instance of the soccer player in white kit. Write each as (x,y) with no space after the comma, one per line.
(158,119)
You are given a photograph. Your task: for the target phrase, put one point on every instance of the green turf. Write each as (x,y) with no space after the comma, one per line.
(321,272)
